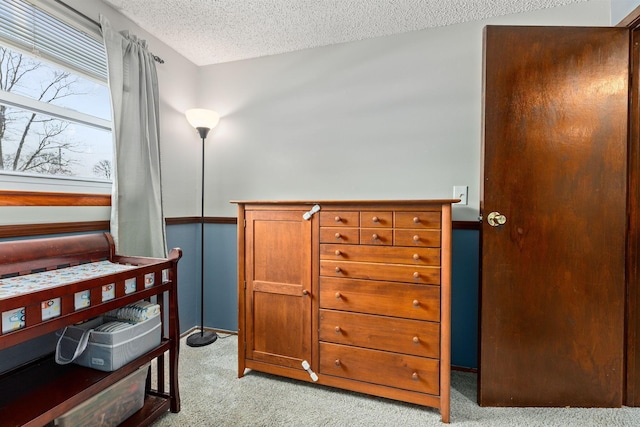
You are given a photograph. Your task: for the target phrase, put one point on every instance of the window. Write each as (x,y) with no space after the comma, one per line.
(55,117)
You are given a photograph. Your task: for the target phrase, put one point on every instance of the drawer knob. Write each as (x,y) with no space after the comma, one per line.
(416,238)
(338,219)
(374,236)
(375,219)
(338,235)
(416,275)
(416,220)
(416,340)
(414,376)
(338,330)
(338,363)
(416,303)
(338,270)
(338,295)
(305,292)
(338,253)
(416,257)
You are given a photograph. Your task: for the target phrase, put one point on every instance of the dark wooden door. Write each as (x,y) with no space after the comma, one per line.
(554,164)
(633,233)
(278,276)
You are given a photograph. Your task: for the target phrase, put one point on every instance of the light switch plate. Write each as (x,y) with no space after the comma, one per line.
(460,192)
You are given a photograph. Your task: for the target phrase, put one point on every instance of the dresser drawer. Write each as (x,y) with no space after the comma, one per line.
(428,275)
(342,235)
(415,337)
(395,255)
(380,367)
(417,219)
(420,302)
(339,218)
(376,219)
(376,236)
(416,237)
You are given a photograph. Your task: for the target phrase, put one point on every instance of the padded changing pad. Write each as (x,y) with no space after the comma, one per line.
(19,285)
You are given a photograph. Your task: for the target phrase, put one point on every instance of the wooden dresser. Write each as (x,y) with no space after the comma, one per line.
(360,290)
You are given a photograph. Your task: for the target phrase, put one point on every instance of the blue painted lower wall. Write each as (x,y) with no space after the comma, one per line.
(220,274)
(187,238)
(221,301)
(465,285)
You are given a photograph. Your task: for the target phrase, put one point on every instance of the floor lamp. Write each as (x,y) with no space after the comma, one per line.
(203,120)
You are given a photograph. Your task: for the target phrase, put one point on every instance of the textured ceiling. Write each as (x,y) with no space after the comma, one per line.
(214,31)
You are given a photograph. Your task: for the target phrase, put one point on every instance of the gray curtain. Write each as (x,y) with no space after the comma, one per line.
(137,220)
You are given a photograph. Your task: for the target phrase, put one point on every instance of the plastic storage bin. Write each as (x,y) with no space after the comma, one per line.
(107,351)
(111,406)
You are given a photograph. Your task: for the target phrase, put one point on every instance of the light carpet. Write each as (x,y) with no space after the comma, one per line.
(213,395)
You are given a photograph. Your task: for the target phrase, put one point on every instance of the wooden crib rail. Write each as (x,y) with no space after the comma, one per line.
(27,256)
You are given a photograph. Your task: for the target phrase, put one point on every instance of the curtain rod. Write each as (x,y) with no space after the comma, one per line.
(97,24)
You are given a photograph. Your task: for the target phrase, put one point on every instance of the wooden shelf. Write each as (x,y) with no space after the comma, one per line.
(154,406)
(43,390)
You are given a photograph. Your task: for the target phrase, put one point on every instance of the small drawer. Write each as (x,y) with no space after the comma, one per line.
(376,236)
(339,219)
(420,302)
(417,219)
(387,255)
(419,274)
(376,219)
(341,235)
(381,367)
(416,237)
(406,336)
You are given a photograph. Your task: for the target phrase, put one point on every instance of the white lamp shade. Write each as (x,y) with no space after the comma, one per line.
(202,118)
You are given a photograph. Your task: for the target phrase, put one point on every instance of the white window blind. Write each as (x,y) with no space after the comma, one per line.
(25,27)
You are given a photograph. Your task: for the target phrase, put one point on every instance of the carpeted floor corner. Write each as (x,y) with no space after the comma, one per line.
(213,395)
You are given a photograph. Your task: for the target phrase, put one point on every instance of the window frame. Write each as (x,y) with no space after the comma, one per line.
(57,183)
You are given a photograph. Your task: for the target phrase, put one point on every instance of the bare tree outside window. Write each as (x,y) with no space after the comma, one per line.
(37,143)
(102,169)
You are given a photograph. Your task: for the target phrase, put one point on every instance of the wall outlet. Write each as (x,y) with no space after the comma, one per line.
(460,192)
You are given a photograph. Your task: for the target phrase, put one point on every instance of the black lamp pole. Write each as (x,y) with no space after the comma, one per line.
(202,338)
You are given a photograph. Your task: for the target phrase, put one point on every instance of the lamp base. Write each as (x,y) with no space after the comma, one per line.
(200,339)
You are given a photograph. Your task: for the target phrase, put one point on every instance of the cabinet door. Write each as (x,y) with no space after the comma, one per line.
(278,286)
(555,164)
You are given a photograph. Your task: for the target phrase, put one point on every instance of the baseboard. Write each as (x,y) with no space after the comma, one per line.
(197,328)
(464,369)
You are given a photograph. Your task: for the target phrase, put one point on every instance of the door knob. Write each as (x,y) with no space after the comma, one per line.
(496,218)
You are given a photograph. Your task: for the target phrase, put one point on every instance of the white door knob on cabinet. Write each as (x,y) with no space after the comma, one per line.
(496,218)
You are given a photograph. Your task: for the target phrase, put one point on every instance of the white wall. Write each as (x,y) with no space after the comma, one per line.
(621,8)
(385,118)
(391,117)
